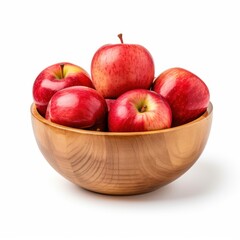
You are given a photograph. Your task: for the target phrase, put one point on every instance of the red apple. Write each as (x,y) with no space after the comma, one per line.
(110,102)
(78,107)
(54,78)
(139,110)
(187,95)
(117,68)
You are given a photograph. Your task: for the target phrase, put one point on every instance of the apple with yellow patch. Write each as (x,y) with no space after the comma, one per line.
(56,77)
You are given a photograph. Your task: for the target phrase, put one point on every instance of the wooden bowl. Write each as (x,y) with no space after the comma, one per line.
(121,163)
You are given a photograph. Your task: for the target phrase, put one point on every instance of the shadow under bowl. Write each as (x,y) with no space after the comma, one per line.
(121,163)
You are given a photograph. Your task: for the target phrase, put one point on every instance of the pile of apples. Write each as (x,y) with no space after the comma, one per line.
(121,95)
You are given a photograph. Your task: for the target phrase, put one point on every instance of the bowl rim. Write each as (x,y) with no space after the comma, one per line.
(40,118)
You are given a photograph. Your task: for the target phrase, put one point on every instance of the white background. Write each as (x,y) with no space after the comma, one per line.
(201,36)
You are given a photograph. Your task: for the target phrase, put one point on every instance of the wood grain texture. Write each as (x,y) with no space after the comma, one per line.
(121,163)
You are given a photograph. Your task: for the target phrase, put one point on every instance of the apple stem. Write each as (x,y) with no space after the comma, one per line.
(62,66)
(143,108)
(120,37)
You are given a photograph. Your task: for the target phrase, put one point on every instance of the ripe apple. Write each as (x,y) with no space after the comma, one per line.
(54,78)
(110,102)
(187,95)
(139,110)
(78,107)
(117,68)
